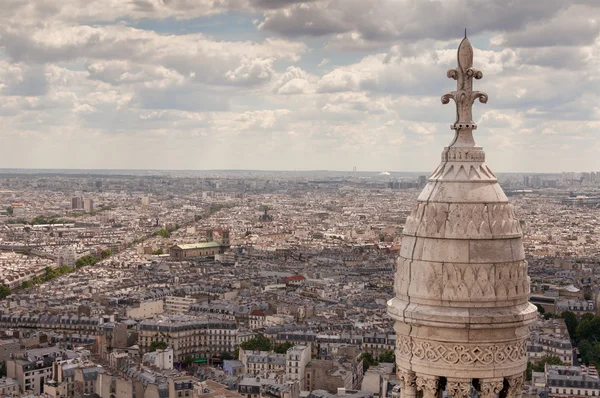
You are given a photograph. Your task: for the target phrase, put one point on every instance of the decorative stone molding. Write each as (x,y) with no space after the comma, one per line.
(457,172)
(462,282)
(515,386)
(490,388)
(460,154)
(429,385)
(463,354)
(409,378)
(459,388)
(463,221)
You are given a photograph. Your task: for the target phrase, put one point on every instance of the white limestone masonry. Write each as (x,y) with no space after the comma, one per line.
(461,287)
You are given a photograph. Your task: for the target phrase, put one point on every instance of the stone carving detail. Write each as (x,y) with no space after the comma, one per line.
(489,388)
(426,280)
(464,96)
(429,385)
(459,388)
(460,220)
(471,281)
(461,282)
(463,173)
(461,154)
(463,354)
(515,386)
(403,346)
(409,378)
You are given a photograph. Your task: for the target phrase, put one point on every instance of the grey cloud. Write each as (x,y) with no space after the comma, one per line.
(574,27)
(188,98)
(219,63)
(274,4)
(33,82)
(554,57)
(386,20)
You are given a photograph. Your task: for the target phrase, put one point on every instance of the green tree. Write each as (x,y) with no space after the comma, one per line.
(588,316)
(367,359)
(105,253)
(4,292)
(157,345)
(158,252)
(10,210)
(3,369)
(570,321)
(387,356)
(259,342)
(86,260)
(590,352)
(282,348)
(588,329)
(226,356)
(187,360)
(540,309)
(541,363)
(163,233)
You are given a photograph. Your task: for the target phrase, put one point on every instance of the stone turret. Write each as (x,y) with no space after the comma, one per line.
(461,309)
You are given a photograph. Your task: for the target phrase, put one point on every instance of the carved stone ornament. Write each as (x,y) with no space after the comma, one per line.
(464,354)
(459,388)
(490,388)
(409,378)
(515,386)
(464,96)
(429,385)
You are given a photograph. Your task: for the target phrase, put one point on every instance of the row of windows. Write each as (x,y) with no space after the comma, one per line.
(564,391)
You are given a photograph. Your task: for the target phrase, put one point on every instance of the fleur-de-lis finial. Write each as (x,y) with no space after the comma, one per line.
(464,96)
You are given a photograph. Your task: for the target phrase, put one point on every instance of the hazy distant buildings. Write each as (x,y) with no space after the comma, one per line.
(204,249)
(88,205)
(77,203)
(66,256)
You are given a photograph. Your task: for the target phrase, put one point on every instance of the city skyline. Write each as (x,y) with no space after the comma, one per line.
(288,85)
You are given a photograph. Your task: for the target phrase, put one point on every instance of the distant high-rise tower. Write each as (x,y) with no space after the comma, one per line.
(461,285)
(76,203)
(88,205)
(145,202)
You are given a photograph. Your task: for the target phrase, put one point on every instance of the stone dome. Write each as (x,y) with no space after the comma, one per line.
(461,286)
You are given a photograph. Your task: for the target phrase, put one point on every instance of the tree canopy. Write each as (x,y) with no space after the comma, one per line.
(157,345)
(4,292)
(259,342)
(387,356)
(367,359)
(571,322)
(540,365)
(282,347)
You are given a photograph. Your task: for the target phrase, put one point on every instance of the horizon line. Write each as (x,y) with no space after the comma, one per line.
(262,170)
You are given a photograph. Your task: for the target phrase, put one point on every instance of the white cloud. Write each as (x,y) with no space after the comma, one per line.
(358,85)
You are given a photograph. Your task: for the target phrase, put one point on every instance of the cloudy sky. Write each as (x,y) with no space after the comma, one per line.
(294,85)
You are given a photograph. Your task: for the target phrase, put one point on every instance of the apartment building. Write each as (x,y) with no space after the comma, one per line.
(198,338)
(179,305)
(572,381)
(262,362)
(297,358)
